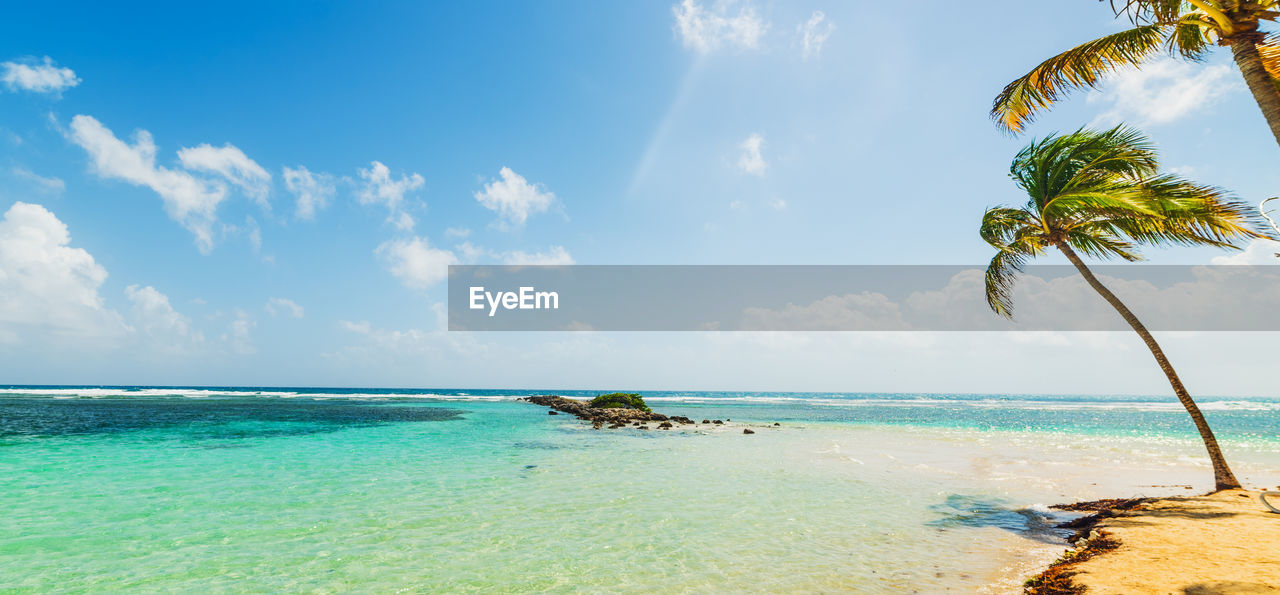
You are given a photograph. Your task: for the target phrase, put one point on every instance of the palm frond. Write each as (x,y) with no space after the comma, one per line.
(1083,162)
(1099,193)
(1269,49)
(1190,38)
(1000,226)
(1082,66)
(1000,279)
(1148,11)
(1017,235)
(1196,214)
(1101,242)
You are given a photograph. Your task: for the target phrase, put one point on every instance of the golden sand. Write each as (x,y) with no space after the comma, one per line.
(1226,542)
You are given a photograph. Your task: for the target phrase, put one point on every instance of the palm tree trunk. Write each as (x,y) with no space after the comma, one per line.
(1223,478)
(1264,88)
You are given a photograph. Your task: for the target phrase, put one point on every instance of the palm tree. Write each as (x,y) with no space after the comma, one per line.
(1099,193)
(1186,28)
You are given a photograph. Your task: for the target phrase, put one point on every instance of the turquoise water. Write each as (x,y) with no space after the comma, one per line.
(468,490)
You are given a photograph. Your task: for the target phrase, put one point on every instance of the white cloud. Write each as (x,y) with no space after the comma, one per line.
(51,185)
(752,160)
(46,286)
(380,189)
(1162,91)
(314,190)
(471,253)
(556,255)
(416,262)
(230,163)
(457,232)
(1222,298)
(191,201)
(813,33)
(284,305)
(239,336)
(514,199)
(411,348)
(255,233)
(778,204)
(360,328)
(705,30)
(154,317)
(37,77)
(1257,252)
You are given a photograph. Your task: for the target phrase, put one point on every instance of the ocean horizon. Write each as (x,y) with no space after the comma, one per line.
(250,489)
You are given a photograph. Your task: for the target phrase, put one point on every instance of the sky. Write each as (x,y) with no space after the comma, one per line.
(270,195)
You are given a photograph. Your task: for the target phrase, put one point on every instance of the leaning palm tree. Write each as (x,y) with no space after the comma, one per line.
(1099,193)
(1185,28)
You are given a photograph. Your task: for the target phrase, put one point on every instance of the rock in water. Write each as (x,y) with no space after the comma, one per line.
(747,431)
(601,416)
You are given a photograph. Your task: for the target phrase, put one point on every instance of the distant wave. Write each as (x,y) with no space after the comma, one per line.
(202,393)
(836,400)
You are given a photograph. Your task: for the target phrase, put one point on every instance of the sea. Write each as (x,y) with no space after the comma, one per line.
(243,489)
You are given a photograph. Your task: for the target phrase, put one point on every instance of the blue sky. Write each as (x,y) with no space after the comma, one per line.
(595,133)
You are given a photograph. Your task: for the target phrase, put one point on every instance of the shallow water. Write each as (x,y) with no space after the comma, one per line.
(186,489)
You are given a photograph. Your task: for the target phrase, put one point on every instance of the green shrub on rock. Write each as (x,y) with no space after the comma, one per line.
(620,400)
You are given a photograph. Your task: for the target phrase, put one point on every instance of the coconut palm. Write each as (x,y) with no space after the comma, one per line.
(1099,194)
(1185,28)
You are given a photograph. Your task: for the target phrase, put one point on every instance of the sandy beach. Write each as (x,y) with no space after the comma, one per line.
(1226,542)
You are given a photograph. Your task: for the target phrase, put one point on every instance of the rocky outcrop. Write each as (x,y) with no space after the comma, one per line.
(613,417)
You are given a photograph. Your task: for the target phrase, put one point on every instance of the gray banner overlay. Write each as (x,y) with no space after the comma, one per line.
(854,298)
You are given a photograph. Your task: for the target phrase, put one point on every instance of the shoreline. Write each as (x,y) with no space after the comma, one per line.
(1221,542)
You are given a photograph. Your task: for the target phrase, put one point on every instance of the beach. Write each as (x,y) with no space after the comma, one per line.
(1224,542)
(469,490)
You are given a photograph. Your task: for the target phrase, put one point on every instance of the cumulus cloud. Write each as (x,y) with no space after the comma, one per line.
(752,160)
(1161,91)
(1203,298)
(232,164)
(284,306)
(1257,252)
(514,199)
(46,286)
(705,30)
(189,199)
(154,317)
(313,190)
(415,262)
(381,189)
(37,76)
(814,33)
